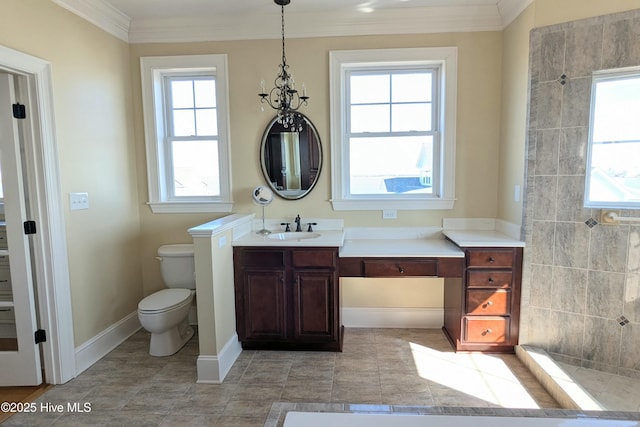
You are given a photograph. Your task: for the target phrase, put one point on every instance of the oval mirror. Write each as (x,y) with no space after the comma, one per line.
(291,161)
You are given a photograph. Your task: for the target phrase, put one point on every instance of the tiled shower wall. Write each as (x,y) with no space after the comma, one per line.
(581,278)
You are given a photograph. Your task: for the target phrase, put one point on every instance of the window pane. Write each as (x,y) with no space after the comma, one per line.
(205,93)
(401,165)
(207,122)
(195,168)
(617,109)
(411,117)
(183,123)
(369,118)
(615,146)
(368,89)
(182,93)
(412,87)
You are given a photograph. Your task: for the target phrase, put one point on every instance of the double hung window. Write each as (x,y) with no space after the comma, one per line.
(393,128)
(186,126)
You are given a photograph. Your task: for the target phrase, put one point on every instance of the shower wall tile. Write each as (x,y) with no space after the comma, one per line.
(571,245)
(621,47)
(630,348)
(544,202)
(572,153)
(601,340)
(609,246)
(605,293)
(542,235)
(584,50)
(569,290)
(552,56)
(566,333)
(549,102)
(576,102)
(576,280)
(547,145)
(632,297)
(570,199)
(542,277)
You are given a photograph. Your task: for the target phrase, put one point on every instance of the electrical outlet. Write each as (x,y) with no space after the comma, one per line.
(389,214)
(78,201)
(516,193)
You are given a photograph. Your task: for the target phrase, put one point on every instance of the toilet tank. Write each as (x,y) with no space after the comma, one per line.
(177,266)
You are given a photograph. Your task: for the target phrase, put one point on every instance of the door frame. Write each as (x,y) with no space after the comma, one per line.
(50,260)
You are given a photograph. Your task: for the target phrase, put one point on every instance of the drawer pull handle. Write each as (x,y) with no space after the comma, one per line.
(488,304)
(401,270)
(487,331)
(490,279)
(492,259)
(4,281)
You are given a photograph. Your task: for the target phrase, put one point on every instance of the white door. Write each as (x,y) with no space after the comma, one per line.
(19,354)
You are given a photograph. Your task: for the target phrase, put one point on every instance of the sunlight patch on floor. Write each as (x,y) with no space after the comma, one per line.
(483,376)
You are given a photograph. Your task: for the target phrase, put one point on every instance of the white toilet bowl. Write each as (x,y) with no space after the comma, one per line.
(165,314)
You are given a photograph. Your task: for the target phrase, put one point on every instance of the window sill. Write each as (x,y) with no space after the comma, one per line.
(190,207)
(376,205)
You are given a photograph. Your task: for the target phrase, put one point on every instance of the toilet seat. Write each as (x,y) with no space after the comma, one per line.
(164,300)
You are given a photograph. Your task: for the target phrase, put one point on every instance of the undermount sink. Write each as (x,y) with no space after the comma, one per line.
(292,235)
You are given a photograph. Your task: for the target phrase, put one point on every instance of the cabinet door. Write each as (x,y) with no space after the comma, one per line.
(264,306)
(315,304)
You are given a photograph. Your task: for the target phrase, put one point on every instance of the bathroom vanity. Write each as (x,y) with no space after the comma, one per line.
(287,297)
(287,284)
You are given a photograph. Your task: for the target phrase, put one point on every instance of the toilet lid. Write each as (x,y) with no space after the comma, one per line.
(164,299)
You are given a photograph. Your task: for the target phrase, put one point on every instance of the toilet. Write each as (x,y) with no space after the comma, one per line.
(166,313)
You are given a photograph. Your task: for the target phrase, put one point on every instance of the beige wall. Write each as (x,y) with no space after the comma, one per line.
(478,131)
(94,130)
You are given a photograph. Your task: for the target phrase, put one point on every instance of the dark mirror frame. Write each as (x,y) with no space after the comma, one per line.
(310,150)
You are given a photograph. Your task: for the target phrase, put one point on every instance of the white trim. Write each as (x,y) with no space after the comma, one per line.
(371,317)
(100,345)
(190,207)
(50,243)
(213,369)
(100,13)
(343,60)
(510,9)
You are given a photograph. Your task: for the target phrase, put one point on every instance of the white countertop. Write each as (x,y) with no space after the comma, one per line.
(436,248)
(482,238)
(327,238)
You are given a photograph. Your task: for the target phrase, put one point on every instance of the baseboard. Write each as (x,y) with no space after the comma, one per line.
(214,368)
(358,317)
(100,345)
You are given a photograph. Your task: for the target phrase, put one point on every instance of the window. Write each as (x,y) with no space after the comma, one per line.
(613,170)
(186,132)
(393,128)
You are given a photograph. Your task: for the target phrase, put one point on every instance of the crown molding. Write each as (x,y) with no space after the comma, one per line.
(101,14)
(442,19)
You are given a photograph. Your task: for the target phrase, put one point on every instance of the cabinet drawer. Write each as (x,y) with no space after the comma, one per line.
(488,302)
(487,329)
(3,239)
(490,258)
(256,258)
(396,268)
(489,278)
(314,258)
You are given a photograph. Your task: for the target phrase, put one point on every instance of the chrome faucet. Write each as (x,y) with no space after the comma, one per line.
(297,221)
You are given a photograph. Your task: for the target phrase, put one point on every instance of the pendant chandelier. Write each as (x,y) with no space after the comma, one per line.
(284,97)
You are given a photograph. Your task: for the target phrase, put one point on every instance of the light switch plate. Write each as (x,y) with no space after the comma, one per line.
(79,201)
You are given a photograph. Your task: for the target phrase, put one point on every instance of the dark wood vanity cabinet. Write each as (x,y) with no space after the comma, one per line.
(482,312)
(287,298)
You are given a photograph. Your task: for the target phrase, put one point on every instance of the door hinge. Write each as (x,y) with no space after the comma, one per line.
(19,111)
(40,336)
(30,227)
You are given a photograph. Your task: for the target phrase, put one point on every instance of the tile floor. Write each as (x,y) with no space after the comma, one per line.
(377,366)
(613,392)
